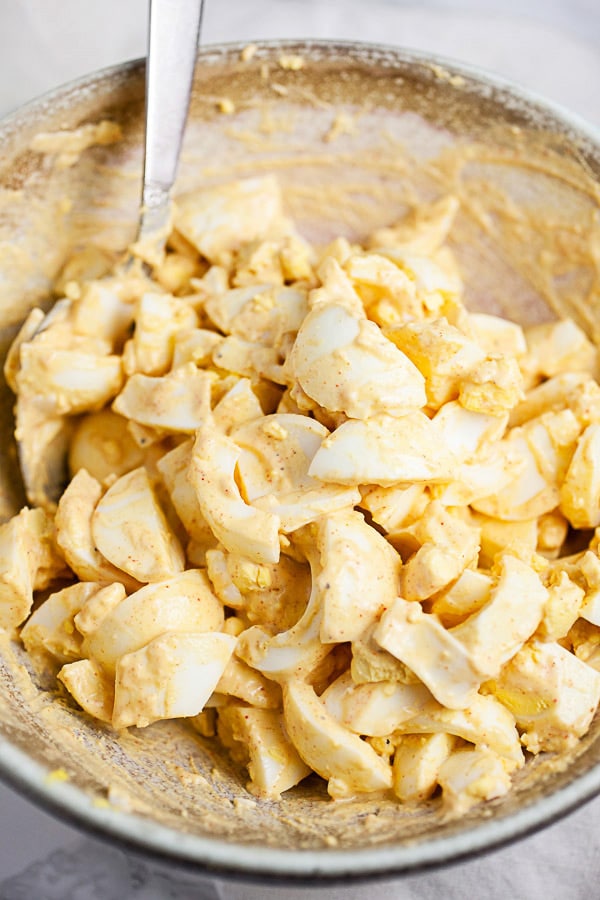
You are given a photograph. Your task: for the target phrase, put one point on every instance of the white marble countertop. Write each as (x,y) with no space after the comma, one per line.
(550,47)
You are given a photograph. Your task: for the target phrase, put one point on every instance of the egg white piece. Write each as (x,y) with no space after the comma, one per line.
(241,528)
(130,529)
(171,677)
(185,603)
(346,364)
(274,763)
(348,763)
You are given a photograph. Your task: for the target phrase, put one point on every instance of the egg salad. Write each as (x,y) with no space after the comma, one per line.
(311,504)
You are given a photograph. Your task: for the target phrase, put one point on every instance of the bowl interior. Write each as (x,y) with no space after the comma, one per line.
(356,136)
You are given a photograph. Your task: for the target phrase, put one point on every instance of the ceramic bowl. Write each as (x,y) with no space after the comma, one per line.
(356,135)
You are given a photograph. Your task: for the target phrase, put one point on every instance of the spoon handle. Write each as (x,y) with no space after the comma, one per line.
(174,28)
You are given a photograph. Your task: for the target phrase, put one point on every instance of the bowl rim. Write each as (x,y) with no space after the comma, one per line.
(205,856)
(484,77)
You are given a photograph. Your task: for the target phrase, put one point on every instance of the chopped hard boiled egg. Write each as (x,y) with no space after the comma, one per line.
(131,530)
(344,363)
(431,651)
(311,505)
(274,764)
(418,759)
(171,677)
(552,695)
(181,604)
(348,763)
(469,776)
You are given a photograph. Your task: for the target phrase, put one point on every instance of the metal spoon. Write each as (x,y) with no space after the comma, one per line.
(174,30)
(173,33)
